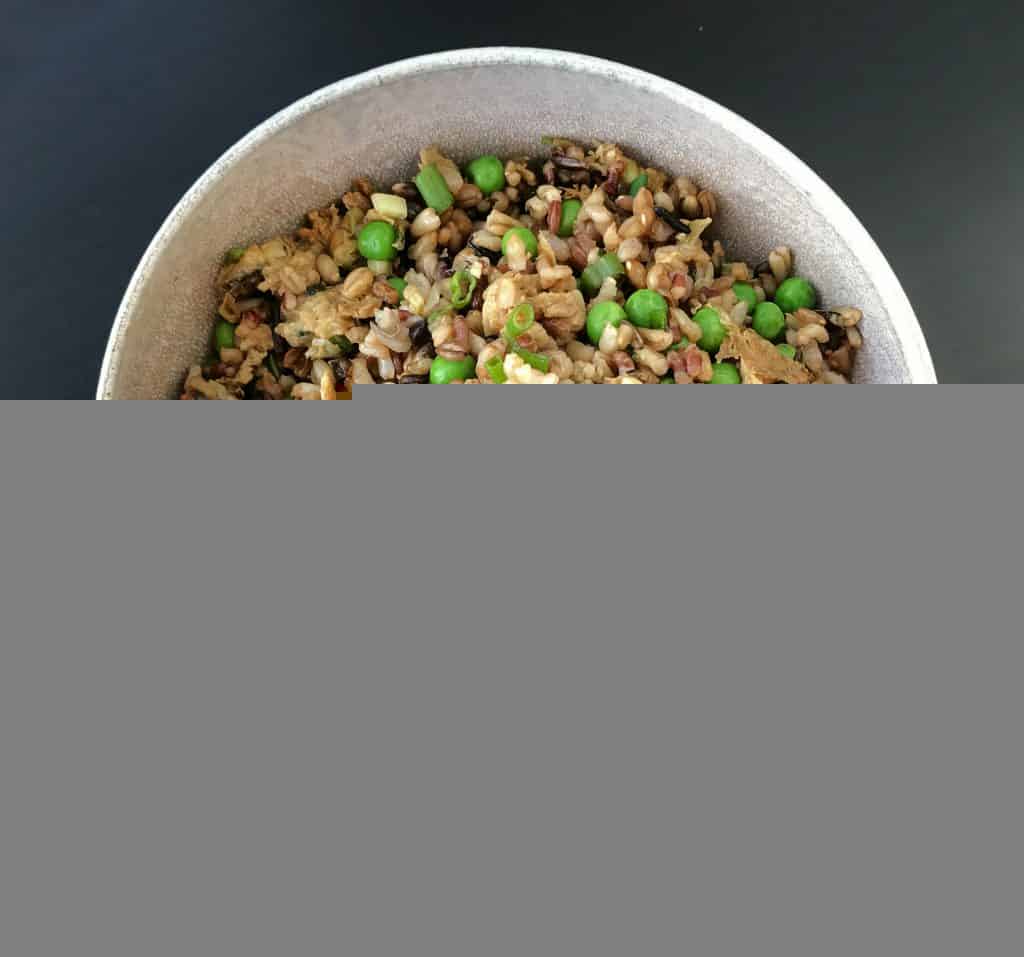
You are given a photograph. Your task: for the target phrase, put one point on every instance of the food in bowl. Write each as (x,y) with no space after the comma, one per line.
(581,266)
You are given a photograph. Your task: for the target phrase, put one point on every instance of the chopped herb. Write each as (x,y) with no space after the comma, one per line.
(345,344)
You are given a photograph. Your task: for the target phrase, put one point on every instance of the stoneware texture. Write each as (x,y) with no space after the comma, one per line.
(500,100)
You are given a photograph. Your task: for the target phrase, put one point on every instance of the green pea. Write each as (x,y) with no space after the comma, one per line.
(665,379)
(377,241)
(722,372)
(234,254)
(600,315)
(570,210)
(795,293)
(487,174)
(745,293)
(398,284)
(769,321)
(787,350)
(224,335)
(647,309)
(712,330)
(444,370)
(529,240)
(638,184)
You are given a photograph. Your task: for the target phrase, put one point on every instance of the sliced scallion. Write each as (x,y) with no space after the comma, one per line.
(570,210)
(224,335)
(496,370)
(638,184)
(519,320)
(538,362)
(462,284)
(433,188)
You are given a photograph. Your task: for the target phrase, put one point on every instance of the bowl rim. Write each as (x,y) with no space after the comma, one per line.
(904,321)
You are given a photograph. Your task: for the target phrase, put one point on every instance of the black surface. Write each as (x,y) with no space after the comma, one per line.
(111,109)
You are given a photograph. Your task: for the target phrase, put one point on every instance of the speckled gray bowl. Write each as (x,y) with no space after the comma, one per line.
(498,100)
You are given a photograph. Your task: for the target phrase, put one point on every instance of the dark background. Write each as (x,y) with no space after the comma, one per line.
(112,109)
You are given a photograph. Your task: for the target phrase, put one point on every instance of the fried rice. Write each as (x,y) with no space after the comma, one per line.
(582,266)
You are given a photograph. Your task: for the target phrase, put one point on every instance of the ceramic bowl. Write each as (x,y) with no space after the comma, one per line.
(495,100)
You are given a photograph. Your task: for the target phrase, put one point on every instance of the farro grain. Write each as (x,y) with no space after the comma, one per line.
(358,283)
(608,342)
(657,339)
(627,336)
(468,196)
(426,222)
(328,269)
(661,198)
(780,260)
(635,272)
(356,201)
(658,279)
(847,316)
(654,361)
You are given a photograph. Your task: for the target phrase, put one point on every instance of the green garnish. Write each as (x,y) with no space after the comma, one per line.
(224,335)
(496,370)
(345,344)
(538,362)
(433,188)
(638,184)
(598,271)
(462,285)
(519,320)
